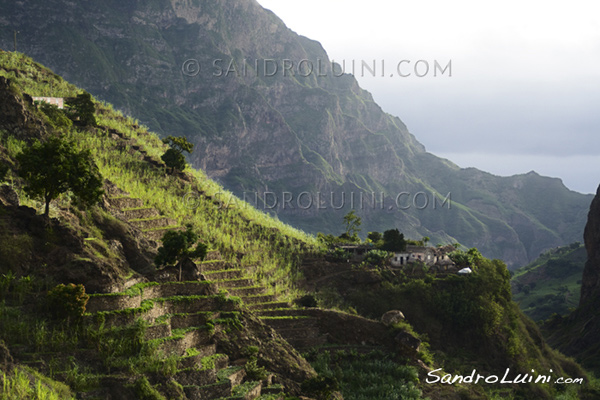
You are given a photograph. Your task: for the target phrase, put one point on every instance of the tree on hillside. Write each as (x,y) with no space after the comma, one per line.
(81,109)
(173,157)
(393,241)
(55,167)
(353,223)
(375,236)
(179,246)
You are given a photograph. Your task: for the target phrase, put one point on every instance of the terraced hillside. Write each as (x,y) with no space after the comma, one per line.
(147,333)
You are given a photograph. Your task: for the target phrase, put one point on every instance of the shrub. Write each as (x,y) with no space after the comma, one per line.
(58,118)
(377,257)
(253,371)
(307,301)
(322,388)
(68,301)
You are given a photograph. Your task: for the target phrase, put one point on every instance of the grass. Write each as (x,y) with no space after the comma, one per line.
(267,249)
(368,376)
(24,383)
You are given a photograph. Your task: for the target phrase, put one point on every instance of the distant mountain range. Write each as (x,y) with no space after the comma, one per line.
(235,80)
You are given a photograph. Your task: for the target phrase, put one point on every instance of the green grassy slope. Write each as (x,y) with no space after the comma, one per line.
(266,247)
(552,283)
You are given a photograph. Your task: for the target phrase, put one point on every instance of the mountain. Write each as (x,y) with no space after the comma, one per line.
(577,333)
(552,283)
(230,76)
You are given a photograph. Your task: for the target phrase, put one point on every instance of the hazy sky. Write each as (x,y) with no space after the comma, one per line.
(525,87)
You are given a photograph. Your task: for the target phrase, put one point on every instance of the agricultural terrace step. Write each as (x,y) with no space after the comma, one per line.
(140,213)
(193,304)
(179,321)
(282,312)
(250,392)
(220,361)
(153,223)
(179,343)
(299,333)
(221,389)
(235,375)
(274,389)
(234,283)
(261,298)
(214,265)
(133,297)
(269,306)
(246,291)
(289,322)
(158,233)
(158,331)
(196,377)
(308,342)
(122,202)
(223,274)
(213,255)
(149,312)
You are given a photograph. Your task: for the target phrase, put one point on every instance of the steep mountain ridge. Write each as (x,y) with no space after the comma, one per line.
(577,334)
(285,132)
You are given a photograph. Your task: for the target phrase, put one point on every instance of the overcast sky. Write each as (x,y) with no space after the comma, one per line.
(525,87)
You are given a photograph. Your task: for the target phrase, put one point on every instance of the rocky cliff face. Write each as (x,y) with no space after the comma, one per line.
(577,335)
(590,286)
(236,81)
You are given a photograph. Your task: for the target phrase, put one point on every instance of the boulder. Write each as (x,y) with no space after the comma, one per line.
(409,344)
(392,317)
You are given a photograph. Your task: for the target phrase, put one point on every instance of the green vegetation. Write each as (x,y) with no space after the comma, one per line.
(173,157)
(552,283)
(24,383)
(55,167)
(177,247)
(68,301)
(352,222)
(393,241)
(453,310)
(364,376)
(264,246)
(81,110)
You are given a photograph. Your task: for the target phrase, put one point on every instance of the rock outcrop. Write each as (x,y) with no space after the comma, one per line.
(577,335)
(590,286)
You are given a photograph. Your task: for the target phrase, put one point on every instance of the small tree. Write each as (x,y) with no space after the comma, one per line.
(68,301)
(82,109)
(178,246)
(353,223)
(173,157)
(174,160)
(55,167)
(375,236)
(393,241)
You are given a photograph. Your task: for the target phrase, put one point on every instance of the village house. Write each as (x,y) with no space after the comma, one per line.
(57,101)
(430,256)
